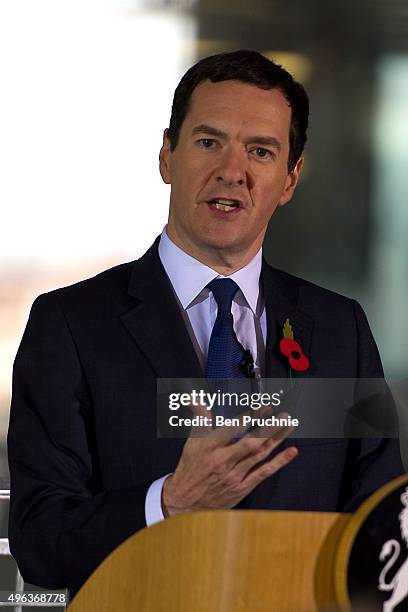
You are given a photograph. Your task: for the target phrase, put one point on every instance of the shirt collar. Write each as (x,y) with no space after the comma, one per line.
(189,276)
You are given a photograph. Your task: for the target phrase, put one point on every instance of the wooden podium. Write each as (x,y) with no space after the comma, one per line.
(222,561)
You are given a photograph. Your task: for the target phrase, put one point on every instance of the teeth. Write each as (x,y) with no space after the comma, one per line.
(225,208)
(224,205)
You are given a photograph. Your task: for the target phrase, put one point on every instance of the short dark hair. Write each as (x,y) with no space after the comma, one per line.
(249,67)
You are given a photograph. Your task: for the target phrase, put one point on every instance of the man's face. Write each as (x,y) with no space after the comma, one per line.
(228,172)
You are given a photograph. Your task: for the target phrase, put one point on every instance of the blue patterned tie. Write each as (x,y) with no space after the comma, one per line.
(224,351)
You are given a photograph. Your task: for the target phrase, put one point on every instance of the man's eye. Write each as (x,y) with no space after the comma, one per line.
(262,153)
(206,143)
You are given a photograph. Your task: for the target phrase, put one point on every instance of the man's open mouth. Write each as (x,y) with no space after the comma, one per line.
(224,205)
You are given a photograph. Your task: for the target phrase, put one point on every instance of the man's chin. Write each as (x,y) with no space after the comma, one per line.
(226,246)
(222,243)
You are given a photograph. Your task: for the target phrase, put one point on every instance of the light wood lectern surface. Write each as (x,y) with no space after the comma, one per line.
(221,561)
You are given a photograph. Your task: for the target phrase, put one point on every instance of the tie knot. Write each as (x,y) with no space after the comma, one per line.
(223,290)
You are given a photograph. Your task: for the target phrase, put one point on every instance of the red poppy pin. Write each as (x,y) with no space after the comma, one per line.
(291,349)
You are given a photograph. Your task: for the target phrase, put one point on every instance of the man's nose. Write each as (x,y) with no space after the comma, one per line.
(232,169)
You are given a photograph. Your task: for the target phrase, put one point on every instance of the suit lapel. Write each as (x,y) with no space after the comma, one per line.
(156,323)
(157,326)
(283,303)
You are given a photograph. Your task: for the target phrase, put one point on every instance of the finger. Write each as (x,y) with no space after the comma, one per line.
(257,451)
(259,474)
(247,463)
(252,443)
(233,432)
(232,451)
(204,426)
(264,427)
(199,409)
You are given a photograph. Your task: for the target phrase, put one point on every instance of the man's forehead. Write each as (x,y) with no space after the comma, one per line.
(237,103)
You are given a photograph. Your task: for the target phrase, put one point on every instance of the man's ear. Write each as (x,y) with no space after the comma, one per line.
(291,182)
(164,158)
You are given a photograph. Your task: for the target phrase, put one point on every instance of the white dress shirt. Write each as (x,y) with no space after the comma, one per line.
(189,278)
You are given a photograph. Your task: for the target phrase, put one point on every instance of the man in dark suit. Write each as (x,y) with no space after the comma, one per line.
(87,468)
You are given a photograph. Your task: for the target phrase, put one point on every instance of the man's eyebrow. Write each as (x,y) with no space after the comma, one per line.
(207,129)
(266,140)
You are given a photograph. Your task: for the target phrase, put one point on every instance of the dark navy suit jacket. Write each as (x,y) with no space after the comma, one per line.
(83,448)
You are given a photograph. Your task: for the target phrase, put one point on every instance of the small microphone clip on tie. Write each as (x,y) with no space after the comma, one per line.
(246,365)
